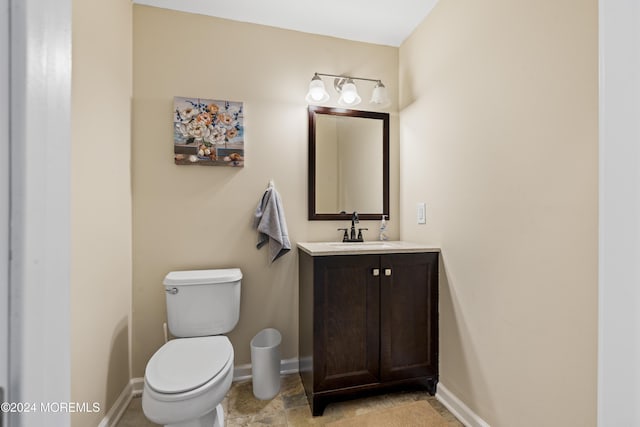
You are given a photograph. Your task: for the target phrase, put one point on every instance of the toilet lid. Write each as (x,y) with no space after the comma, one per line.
(187,363)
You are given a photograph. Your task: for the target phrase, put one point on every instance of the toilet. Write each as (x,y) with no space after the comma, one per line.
(186,380)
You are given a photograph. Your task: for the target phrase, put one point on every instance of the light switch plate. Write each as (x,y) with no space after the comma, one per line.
(421,213)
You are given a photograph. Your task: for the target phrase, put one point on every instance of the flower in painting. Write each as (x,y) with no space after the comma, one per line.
(225,119)
(197,129)
(212,108)
(205,118)
(182,128)
(231,133)
(217,134)
(187,114)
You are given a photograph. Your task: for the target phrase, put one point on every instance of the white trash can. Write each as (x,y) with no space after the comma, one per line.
(265,363)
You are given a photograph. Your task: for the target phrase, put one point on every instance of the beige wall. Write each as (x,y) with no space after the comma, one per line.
(101,203)
(189,217)
(498,123)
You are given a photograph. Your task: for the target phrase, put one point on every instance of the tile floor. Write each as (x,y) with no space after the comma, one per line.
(290,408)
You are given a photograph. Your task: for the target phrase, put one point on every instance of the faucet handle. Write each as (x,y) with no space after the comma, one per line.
(360,233)
(345,237)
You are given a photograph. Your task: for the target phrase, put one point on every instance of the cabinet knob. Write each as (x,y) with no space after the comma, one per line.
(387,272)
(376,272)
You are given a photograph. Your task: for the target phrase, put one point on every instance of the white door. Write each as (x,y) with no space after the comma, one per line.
(4,199)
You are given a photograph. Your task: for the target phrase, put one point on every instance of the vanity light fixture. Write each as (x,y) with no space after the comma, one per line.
(347,89)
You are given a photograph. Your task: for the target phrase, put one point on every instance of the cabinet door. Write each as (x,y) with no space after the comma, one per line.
(346,321)
(409,316)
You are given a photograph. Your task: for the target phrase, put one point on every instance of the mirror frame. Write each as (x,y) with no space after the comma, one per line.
(313,112)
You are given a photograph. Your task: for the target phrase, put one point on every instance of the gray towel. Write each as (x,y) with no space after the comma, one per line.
(271,224)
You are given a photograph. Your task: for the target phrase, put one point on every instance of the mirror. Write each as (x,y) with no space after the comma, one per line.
(348,164)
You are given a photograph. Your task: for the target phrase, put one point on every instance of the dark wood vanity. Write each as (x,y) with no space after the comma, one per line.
(368,322)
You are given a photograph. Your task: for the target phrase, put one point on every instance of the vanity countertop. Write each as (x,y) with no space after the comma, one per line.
(360,248)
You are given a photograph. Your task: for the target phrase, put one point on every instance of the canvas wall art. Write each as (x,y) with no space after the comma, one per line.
(208,132)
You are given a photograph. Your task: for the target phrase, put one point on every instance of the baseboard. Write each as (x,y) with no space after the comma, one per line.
(137,384)
(117,409)
(457,407)
(287,366)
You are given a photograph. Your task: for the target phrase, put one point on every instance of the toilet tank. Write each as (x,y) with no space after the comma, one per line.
(202,302)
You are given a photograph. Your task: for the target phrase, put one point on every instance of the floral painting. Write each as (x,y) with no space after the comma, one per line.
(208,132)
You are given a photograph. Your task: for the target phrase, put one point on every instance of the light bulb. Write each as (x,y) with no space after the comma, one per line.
(379,96)
(317,93)
(349,95)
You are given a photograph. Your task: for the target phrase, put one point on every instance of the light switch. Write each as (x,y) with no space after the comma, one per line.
(421,213)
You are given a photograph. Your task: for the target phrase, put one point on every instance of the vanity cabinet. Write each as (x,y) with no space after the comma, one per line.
(368,322)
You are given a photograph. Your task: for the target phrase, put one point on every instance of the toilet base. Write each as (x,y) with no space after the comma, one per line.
(214,418)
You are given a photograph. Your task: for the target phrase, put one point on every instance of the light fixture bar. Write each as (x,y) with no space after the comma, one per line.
(347,77)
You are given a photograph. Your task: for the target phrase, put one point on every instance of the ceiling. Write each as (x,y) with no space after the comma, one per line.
(372,21)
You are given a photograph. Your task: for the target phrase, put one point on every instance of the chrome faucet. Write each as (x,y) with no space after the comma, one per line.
(351,237)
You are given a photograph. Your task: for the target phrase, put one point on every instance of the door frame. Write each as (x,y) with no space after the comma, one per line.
(39,267)
(4,202)
(619,214)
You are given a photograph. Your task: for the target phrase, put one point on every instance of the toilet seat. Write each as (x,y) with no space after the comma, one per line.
(185,364)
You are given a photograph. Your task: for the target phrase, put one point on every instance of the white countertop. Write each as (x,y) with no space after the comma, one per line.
(360,248)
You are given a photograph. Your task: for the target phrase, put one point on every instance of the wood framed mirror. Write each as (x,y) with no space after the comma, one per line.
(348,164)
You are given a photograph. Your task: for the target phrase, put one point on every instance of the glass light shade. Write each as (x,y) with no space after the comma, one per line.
(349,95)
(317,93)
(379,96)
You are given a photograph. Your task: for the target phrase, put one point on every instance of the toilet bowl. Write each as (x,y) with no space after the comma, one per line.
(186,380)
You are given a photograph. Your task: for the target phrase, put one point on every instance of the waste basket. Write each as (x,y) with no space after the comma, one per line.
(265,363)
